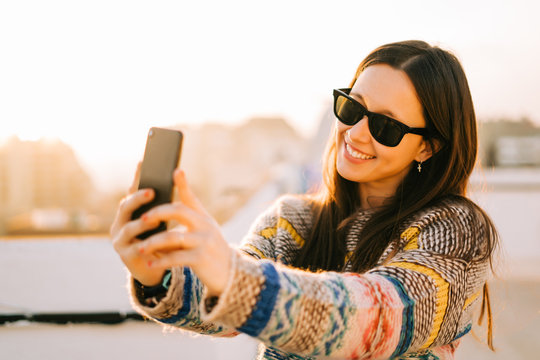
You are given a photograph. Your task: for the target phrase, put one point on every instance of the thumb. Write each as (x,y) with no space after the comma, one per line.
(135,183)
(187,197)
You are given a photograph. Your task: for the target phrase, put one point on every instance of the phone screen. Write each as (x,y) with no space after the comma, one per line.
(161,158)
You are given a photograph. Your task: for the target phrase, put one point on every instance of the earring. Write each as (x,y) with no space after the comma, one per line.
(419,167)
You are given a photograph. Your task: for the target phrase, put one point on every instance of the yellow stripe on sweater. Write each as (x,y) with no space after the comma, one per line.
(411,236)
(471,298)
(252,247)
(442,296)
(268,232)
(286,225)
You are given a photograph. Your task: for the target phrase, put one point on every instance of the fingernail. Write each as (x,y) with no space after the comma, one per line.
(150,263)
(141,250)
(147,193)
(144,217)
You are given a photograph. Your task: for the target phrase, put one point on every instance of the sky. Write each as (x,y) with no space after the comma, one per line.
(97,74)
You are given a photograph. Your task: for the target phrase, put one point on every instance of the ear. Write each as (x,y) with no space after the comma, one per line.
(427,149)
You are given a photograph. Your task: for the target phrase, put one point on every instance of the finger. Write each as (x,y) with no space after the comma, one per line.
(185,193)
(174,258)
(120,220)
(135,183)
(176,211)
(130,203)
(128,233)
(169,240)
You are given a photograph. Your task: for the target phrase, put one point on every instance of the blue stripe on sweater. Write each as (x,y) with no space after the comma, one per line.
(464,332)
(266,301)
(407,324)
(184,310)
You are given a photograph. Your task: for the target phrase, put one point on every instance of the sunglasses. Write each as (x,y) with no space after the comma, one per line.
(384,129)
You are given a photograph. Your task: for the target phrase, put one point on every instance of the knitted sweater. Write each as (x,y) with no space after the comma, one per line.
(415,305)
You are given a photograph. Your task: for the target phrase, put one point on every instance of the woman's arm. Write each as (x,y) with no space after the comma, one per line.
(180,305)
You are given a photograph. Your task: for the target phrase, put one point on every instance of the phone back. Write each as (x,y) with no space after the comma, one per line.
(161,158)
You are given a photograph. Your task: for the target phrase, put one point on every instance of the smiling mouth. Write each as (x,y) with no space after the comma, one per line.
(357,155)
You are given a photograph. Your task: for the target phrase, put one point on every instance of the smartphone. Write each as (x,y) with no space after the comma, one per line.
(161,158)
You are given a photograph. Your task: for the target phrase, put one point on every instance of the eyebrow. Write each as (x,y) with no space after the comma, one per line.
(384,112)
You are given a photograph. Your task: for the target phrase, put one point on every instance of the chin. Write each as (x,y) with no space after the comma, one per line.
(346,173)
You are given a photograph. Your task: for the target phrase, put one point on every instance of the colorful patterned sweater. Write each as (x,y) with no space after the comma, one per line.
(415,305)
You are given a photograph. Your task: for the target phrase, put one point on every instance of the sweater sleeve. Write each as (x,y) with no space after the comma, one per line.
(180,307)
(414,302)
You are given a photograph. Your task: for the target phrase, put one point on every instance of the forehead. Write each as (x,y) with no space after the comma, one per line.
(389,91)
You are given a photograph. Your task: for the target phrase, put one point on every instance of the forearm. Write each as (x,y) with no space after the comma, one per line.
(180,305)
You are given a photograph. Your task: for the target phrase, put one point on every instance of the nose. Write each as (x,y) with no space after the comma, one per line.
(359,132)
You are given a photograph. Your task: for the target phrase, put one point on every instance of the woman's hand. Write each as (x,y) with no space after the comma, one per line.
(124,231)
(197,243)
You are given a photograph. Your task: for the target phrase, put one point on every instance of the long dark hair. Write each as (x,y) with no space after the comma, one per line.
(444,94)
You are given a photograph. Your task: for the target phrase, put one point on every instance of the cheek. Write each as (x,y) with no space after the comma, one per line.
(339,130)
(340,133)
(400,156)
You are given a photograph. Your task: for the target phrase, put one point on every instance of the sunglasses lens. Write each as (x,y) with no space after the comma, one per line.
(347,111)
(385,131)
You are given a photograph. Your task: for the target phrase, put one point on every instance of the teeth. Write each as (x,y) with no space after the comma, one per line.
(357,155)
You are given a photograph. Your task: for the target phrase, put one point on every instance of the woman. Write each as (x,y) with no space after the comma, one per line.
(387,260)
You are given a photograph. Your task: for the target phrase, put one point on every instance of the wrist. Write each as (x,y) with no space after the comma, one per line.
(221,279)
(151,295)
(150,280)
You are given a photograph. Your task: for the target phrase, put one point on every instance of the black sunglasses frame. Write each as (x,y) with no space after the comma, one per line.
(404,129)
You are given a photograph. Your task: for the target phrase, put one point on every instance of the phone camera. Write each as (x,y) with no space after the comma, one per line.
(151,133)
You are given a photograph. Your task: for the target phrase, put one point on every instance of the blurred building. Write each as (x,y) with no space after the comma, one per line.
(517,151)
(226,165)
(42,188)
(508,142)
